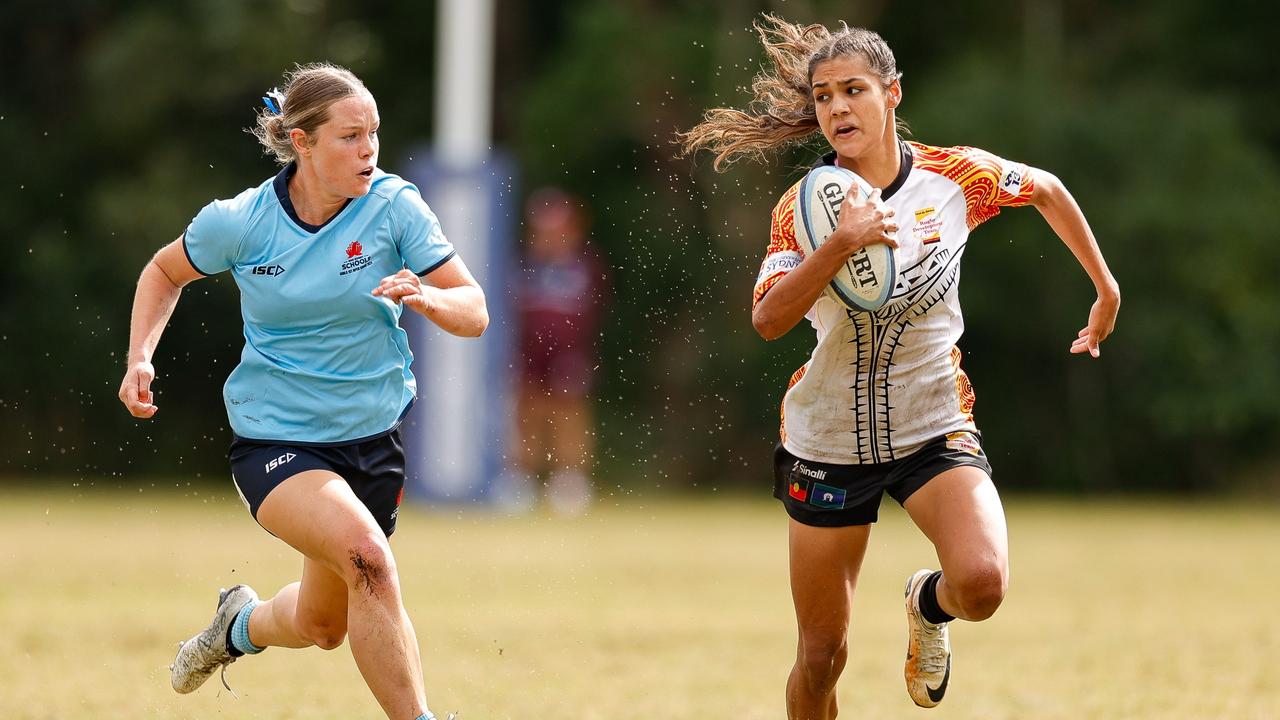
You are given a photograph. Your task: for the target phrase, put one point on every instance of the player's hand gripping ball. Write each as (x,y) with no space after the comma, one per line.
(866,280)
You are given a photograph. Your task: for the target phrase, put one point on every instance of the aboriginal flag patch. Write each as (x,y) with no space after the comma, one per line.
(798,489)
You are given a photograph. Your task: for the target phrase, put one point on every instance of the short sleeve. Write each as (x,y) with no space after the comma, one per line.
(1013,183)
(783,254)
(213,238)
(422,243)
(992,183)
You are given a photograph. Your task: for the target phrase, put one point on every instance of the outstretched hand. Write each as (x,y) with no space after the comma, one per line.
(135,390)
(1102,320)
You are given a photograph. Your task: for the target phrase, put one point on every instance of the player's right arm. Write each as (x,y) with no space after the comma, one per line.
(786,299)
(159,286)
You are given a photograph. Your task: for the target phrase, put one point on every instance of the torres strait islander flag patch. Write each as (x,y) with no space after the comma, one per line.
(825,496)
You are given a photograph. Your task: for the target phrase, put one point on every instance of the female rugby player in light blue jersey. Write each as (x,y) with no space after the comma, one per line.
(326,255)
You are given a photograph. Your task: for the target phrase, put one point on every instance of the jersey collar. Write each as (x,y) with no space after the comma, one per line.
(281,185)
(904,168)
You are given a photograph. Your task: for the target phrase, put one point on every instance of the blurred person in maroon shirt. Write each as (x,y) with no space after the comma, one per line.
(560,294)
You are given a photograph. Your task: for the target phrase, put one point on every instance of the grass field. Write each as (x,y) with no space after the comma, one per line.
(644,610)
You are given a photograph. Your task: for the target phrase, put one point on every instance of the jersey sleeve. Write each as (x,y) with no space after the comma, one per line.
(212,240)
(989,181)
(1013,184)
(783,254)
(422,243)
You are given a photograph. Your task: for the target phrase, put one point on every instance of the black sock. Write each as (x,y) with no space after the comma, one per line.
(231,647)
(929,608)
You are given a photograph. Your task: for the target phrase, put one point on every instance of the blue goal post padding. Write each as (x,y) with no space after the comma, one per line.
(456,435)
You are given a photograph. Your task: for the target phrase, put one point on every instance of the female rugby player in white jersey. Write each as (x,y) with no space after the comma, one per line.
(882,405)
(326,255)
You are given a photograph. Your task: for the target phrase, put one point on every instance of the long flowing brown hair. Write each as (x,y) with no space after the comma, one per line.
(781,112)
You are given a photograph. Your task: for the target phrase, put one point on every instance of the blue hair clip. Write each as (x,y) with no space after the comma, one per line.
(274,100)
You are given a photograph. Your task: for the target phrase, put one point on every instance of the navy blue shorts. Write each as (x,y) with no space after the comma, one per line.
(831,495)
(374,469)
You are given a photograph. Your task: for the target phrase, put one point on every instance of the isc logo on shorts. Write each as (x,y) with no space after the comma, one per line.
(280,461)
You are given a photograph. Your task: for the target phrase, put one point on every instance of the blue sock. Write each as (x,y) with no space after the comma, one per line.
(240,630)
(426,716)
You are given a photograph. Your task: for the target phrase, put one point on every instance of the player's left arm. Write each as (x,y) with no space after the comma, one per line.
(448,296)
(1060,210)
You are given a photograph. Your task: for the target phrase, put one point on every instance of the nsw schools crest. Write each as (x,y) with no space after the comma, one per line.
(356,259)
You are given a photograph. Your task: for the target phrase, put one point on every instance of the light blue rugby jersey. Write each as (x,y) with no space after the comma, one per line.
(324,361)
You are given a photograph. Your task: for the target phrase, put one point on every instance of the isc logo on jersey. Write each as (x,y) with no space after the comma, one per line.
(280,461)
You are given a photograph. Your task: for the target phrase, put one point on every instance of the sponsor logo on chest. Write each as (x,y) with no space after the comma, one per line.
(356,259)
(928,227)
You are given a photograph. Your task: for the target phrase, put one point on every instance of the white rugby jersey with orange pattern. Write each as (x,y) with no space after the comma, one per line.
(881,384)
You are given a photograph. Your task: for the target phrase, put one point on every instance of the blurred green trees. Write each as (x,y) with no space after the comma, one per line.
(1146,114)
(121,119)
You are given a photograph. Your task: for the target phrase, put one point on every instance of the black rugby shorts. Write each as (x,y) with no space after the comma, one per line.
(374,469)
(834,495)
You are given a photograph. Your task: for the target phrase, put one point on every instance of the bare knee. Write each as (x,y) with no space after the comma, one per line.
(370,568)
(979,591)
(324,631)
(822,657)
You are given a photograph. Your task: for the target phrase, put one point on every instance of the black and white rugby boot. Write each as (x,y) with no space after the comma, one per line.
(928,668)
(201,655)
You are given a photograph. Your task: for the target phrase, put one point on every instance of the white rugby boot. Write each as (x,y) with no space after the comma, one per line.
(201,655)
(928,668)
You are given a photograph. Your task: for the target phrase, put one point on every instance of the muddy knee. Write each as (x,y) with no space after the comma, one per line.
(370,567)
(980,591)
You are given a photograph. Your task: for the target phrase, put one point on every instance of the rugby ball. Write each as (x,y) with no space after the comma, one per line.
(866,280)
